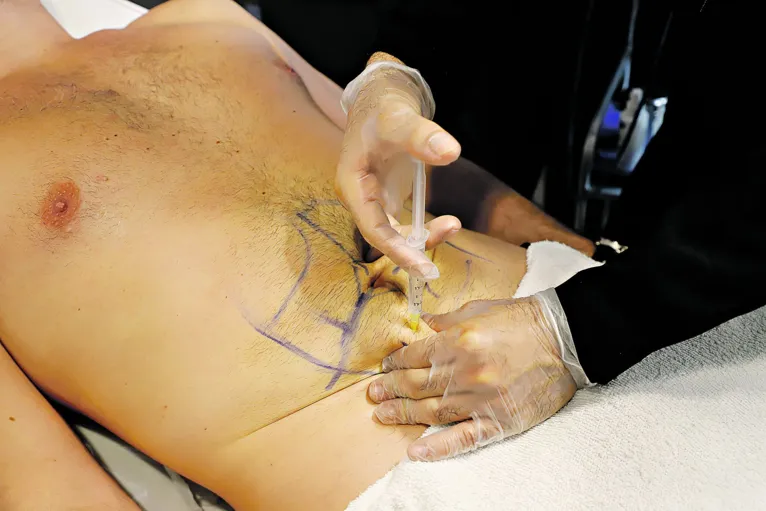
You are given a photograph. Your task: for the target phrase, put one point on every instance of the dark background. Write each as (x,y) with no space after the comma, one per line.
(517,83)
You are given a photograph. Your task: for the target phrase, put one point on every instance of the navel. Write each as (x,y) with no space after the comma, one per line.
(60,205)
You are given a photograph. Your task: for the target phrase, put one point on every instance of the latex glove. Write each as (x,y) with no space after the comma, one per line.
(494,367)
(385,130)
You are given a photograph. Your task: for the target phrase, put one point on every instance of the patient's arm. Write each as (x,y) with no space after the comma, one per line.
(325,93)
(43,465)
(27,32)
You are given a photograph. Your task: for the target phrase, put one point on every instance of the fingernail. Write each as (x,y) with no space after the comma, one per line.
(418,452)
(382,416)
(388,364)
(442,144)
(376,392)
(427,271)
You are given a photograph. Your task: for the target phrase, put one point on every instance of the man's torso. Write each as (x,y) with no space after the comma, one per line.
(173,262)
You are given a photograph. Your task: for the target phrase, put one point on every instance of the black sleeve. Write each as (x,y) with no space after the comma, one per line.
(694,214)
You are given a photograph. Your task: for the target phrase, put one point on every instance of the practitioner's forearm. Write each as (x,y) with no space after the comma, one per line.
(485,204)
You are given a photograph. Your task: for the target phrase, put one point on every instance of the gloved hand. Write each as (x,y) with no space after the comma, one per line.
(387,127)
(494,367)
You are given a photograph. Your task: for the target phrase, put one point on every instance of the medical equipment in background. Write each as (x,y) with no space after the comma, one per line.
(618,52)
(417,239)
(623,126)
(615,144)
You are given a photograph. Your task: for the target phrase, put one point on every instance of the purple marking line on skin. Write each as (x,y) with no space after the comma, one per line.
(467,281)
(358,282)
(348,328)
(340,325)
(334,380)
(335,242)
(352,325)
(434,293)
(308,357)
(344,326)
(297,284)
(466,251)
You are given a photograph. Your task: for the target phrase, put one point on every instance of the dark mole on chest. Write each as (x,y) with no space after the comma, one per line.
(60,205)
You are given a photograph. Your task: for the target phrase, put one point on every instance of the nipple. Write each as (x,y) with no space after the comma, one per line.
(60,206)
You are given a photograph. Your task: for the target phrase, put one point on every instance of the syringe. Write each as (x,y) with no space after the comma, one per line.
(417,239)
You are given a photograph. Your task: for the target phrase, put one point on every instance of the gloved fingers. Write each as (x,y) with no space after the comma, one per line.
(355,182)
(361,192)
(432,411)
(442,322)
(406,411)
(375,227)
(400,125)
(440,229)
(418,354)
(458,439)
(410,383)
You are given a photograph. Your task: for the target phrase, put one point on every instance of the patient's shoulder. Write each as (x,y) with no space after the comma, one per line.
(179,12)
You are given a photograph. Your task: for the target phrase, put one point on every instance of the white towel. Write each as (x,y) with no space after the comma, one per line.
(83,17)
(684,429)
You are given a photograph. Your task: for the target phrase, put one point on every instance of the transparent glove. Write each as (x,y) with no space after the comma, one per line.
(493,367)
(389,107)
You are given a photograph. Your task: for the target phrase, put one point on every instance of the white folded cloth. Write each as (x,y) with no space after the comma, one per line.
(83,17)
(684,429)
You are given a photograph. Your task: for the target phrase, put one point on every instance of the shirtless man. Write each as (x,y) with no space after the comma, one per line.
(175,265)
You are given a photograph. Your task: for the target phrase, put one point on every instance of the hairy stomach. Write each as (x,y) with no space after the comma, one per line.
(168,304)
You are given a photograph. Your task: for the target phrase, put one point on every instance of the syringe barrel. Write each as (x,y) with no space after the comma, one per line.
(417,240)
(418,200)
(415,295)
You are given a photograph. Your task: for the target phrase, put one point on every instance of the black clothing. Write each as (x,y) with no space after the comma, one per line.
(694,214)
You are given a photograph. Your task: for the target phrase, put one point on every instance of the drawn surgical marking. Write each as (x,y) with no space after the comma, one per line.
(298,282)
(467,252)
(347,327)
(433,293)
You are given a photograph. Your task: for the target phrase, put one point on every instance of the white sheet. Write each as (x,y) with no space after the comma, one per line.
(83,17)
(684,429)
